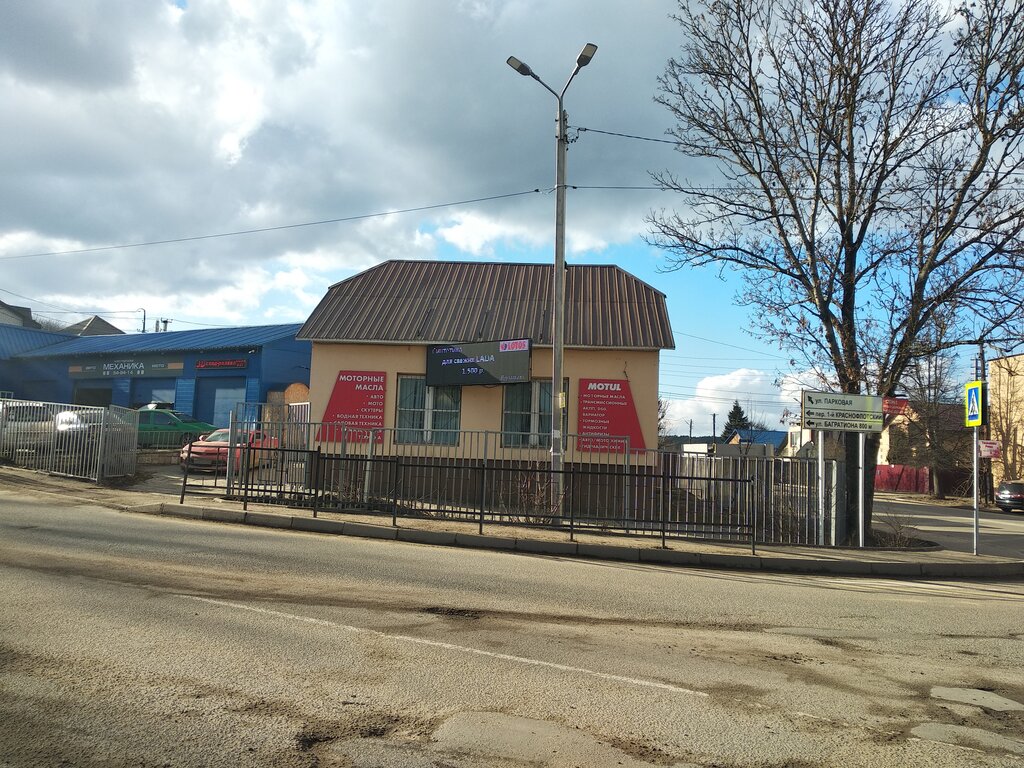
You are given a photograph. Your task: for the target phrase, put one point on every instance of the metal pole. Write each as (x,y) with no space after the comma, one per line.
(821,486)
(558,332)
(558,284)
(862,439)
(975,490)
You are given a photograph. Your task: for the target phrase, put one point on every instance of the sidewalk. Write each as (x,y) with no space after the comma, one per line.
(921,563)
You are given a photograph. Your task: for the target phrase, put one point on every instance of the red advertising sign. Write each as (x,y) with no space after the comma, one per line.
(894,406)
(206,364)
(606,415)
(356,406)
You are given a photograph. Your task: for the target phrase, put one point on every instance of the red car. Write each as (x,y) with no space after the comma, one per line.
(210,452)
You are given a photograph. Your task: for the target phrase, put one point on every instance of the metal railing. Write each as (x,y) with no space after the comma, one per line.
(70,440)
(481,477)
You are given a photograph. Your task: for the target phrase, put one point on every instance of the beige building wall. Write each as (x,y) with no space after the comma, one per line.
(482,406)
(1006,415)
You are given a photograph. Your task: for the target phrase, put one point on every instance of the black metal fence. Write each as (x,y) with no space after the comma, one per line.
(481,477)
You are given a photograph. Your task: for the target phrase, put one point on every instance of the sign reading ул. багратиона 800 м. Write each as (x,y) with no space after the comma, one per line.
(482,362)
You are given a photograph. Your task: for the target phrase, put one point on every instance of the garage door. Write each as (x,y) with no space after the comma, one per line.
(217,397)
(92,393)
(146,391)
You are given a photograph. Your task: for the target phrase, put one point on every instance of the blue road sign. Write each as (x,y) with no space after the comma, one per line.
(974,411)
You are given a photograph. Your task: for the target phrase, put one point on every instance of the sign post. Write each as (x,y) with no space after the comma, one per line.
(842,413)
(974,416)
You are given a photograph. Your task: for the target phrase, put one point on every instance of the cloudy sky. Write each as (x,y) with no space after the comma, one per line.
(130,123)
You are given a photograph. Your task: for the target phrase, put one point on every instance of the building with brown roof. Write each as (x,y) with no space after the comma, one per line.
(374,333)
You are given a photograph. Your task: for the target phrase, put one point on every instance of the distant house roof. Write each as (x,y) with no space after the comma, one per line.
(433,302)
(202,340)
(24,315)
(93,326)
(14,339)
(759,436)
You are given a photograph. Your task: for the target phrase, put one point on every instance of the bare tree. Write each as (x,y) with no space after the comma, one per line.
(871,157)
(932,434)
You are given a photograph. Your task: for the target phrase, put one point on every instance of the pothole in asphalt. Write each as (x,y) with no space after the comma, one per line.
(453,613)
(978,698)
(976,738)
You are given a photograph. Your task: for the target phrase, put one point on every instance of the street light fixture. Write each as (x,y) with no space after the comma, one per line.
(558,333)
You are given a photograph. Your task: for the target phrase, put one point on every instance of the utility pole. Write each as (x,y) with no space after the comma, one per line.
(985,433)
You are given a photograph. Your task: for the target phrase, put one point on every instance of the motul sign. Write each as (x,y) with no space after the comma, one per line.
(606,417)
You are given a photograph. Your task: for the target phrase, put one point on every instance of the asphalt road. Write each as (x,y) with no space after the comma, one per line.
(951,524)
(133,640)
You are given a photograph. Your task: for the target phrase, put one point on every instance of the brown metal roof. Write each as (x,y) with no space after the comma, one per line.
(436,302)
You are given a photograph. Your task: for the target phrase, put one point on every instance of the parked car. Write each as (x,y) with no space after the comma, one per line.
(26,426)
(210,452)
(164,428)
(1010,495)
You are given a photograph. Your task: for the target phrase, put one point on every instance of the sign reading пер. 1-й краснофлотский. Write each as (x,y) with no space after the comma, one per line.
(840,412)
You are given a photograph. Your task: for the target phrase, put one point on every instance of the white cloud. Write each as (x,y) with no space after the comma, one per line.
(165,123)
(754,389)
(479,235)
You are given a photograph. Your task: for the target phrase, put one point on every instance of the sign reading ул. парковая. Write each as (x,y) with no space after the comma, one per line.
(841,412)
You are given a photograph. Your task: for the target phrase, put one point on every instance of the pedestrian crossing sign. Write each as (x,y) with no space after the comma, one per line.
(974,404)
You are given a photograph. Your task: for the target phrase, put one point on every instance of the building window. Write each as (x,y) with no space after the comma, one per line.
(526,414)
(427,414)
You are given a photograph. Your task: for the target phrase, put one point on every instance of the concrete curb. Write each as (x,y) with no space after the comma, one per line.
(746,562)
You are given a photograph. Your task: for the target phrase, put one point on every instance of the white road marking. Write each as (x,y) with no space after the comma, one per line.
(452,647)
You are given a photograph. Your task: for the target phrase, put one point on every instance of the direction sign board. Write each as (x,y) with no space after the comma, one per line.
(974,404)
(841,412)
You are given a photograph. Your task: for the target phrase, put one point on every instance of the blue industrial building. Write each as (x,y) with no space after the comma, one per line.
(204,372)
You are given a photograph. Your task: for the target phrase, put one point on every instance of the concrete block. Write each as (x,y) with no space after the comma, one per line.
(149,509)
(896,569)
(845,567)
(438,538)
(541,547)
(318,525)
(1004,570)
(182,510)
(608,552)
(268,520)
(744,562)
(790,564)
(370,531)
(669,557)
(478,541)
(949,570)
(221,515)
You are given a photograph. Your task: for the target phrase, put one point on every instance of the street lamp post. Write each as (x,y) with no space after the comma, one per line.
(558,320)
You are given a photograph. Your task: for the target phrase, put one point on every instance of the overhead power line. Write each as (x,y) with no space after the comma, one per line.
(782,150)
(277,228)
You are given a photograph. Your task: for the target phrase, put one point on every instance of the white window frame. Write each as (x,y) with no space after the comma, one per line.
(535,438)
(427,431)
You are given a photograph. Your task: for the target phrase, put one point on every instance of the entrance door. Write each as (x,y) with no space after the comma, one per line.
(216,397)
